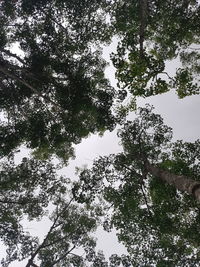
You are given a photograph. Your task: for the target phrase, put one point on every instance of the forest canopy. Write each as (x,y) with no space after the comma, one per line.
(54,93)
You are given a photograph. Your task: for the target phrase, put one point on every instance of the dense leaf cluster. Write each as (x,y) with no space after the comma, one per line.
(152,33)
(53,93)
(157,223)
(53,89)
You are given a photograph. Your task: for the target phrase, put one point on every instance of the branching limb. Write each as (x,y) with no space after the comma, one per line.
(141,182)
(43,245)
(63,256)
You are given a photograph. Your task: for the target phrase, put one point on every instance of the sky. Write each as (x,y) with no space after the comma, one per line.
(183,115)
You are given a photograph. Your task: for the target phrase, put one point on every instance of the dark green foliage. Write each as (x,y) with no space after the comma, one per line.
(25,190)
(157,224)
(53,90)
(152,33)
(28,190)
(32,190)
(53,93)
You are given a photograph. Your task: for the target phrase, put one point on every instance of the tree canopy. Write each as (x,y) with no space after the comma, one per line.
(155,220)
(54,93)
(53,88)
(153,33)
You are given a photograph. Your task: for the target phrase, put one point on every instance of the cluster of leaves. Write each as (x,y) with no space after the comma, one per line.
(53,90)
(158,224)
(53,93)
(29,190)
(26,191)
(152,33)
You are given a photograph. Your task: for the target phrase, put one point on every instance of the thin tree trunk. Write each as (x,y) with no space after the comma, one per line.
(143,22)
(180,182)
(30,263)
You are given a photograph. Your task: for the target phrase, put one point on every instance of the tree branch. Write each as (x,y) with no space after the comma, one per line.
(55,21)
(145,200)
(141,185)
(13,55)
(49,232)
(22,81)
(180,182)
(63,256)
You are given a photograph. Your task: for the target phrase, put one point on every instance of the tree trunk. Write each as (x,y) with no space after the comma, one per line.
(30,263)
(181,182)
(143,23)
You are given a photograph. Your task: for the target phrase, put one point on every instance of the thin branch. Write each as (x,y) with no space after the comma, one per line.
(63,256)
(22,81)
(49,232)
(64,209)
(56,241)
(145,200)
(170,78)
(55,21)
(15,77)
(141,185)
(12,55)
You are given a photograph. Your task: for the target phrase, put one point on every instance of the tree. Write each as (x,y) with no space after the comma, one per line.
(147,189)
(152,33)
(53,90)
(70,230)
(33,190)
(26,190)
(53,93)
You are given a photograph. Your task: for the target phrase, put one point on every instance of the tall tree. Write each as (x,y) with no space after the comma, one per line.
(53,90)
(147,189)
(34,191)
(26,190)
(152,33)
(53,93)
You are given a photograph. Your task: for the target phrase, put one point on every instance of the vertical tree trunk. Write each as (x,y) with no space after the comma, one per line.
(143,23)
(181,182)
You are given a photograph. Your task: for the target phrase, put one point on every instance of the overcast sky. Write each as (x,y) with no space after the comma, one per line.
(183,115)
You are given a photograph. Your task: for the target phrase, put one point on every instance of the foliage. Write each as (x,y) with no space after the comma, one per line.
(32,190)
(53,93)
(153,33)
(158,224)
(53,89)
(28,191)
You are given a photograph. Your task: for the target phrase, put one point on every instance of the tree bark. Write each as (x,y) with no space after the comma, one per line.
(143,22)
(180,182)
(30,263)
